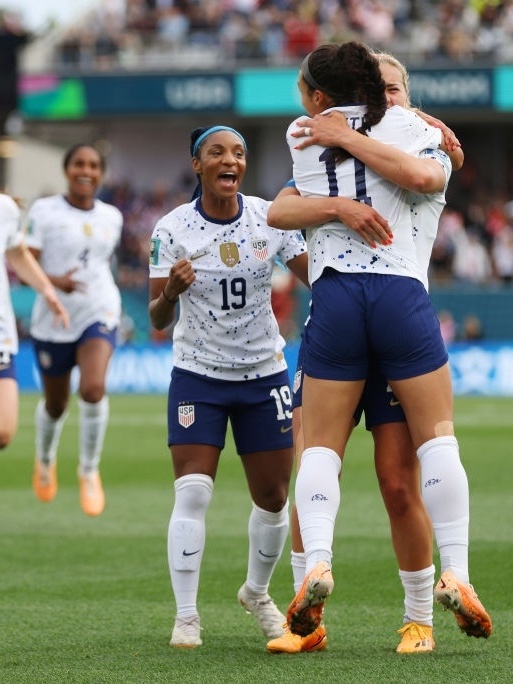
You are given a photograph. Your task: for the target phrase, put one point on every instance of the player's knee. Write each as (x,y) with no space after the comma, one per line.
(5,438)
(398,498)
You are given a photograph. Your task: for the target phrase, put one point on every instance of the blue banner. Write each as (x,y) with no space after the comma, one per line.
(479,369)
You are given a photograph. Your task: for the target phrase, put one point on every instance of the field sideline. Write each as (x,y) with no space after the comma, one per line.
(89,600)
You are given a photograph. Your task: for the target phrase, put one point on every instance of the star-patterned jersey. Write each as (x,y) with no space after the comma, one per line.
(84,241)
(317,174)
(226,328)
(10,237)
(425,214)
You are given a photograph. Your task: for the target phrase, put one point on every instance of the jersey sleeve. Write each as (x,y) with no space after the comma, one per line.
(442,158)
(11,222)
(33,226)
(293,244)
(161,256)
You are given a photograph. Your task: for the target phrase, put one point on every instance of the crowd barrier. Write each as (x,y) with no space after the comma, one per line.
(479,369)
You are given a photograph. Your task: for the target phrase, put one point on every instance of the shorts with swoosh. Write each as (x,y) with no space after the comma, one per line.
(7,365)
(378,402)
(260,411)
(58,358)
(358,316)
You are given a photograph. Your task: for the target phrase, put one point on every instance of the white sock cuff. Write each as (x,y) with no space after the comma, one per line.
(93,410)
(447,440)
(271,518)
(417,574)
(194,479)
(322,452)
(298,558)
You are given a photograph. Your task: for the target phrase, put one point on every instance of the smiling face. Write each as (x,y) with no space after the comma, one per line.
(395,86)
(84,171)
(221,165)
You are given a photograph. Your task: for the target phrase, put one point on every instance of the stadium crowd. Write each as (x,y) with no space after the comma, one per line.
(139,34)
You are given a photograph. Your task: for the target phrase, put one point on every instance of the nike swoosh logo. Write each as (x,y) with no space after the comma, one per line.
(394,402)
(266,555)
(192,553)
(286,429)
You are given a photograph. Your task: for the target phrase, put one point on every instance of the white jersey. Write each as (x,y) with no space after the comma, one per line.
(10,237)
(226,328)
(317,174)
(425,214)
(84,241)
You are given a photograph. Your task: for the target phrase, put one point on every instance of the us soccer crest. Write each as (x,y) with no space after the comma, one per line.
(229,253)
(186,415)
(260,249)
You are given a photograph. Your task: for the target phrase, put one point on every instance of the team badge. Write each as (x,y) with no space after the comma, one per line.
(186,415)
(154,251)
(45,359)
(87,229)
(260,249)
(229,254)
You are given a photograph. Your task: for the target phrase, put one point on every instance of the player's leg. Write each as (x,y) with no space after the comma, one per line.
(196,435)
(9,401)
(93,355)
(262,431)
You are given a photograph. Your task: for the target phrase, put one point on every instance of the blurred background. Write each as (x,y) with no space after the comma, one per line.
(135,76)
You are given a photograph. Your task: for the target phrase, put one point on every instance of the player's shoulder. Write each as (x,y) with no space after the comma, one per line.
(257,204)
(8,207)
(108,209)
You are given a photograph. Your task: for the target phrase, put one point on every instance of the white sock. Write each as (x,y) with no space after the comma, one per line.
(267,533)
(48,433)
(317,501)
(92,425)
(186,539)
(446,496)
(298,565)
(418,595)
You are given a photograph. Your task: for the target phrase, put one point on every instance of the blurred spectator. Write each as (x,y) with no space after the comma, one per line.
(471,261)
(447,326)
(471,329)
(502,254)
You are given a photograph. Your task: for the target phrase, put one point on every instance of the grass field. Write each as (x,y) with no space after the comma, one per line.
(88,600)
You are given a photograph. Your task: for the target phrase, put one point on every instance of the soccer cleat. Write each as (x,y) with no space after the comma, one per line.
(264,609)
(44,481)
(305,612)
(186,633)
(415,638)
(92,497)
(468,610)
(293,643)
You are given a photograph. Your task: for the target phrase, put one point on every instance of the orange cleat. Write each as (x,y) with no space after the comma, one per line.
(293,643)
(92,497)
(305,612)
(415,638)
(468,610)
(44,481)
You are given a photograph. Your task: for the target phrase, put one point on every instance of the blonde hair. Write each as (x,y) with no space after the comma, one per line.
(386,58)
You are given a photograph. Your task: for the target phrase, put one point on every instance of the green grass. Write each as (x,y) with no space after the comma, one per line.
(88,600)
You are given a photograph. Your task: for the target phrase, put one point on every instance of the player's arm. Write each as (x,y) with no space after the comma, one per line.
(290,211)
(164,293)
(30,272)
(408,172)
(299,267)
(450,143)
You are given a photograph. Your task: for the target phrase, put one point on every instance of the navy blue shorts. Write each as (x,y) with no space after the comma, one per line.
(7,365)
(260,411)
(58,358)
(378,402)
(356,317)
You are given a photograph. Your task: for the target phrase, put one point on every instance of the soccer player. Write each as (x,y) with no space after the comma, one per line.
(74,237)
(417,372)
(215,255)
(13,248)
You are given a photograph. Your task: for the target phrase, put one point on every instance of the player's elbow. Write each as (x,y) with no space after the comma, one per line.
(274,217)
(427,182)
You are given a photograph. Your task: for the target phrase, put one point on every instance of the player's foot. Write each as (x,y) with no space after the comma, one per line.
(415,638)
(44,481)
(186,633)
(264,609)
(468,610)
(293,643)
(92,497)
(305,612)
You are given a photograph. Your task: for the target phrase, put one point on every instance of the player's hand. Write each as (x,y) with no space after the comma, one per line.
(367,222)
(326,130)
(67,283)
(181,277)
(451,142)
(61,315)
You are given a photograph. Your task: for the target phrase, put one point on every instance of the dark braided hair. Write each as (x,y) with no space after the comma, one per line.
(348,74)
